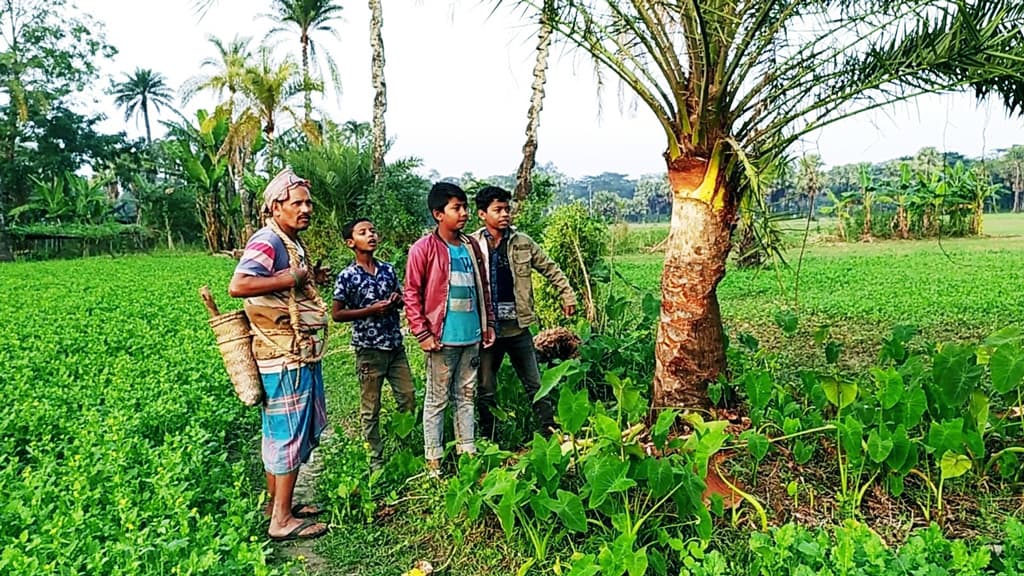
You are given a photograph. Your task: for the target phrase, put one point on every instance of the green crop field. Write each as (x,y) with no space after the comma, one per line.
(122,447)
(124,451)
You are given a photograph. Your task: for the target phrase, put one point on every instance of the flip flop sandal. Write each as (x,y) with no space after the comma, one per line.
(298,512)
(298,532)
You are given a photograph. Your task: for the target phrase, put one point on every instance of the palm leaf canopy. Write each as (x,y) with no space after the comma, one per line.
(749,77)
(141,88)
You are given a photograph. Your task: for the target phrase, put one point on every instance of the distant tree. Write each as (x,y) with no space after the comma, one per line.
(140,90)
(1010,166)
(48,50)
(268,86)
(227,71)
(308,17)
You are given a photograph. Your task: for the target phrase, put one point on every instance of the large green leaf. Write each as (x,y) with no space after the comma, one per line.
(545,455)
(915,404)
(758,386)
(196,172)
(606,475)
(889,384)
(552,376)
(880,444)
(569,509)
(606,428)
(978,409)
(757,443)
(954,465)
(1006,335)
(1007,367)
(956,373)
(840,394)
(945,436)
(661,428)
(573,409)
(901,447)
(660,476)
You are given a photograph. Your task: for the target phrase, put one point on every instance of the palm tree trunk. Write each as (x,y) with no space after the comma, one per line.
(145,117)
(307,89)
(690,347)
(524,182)
(380,93)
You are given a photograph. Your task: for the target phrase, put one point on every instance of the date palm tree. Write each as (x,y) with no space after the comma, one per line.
(308,17)
(140,90)
(733,83)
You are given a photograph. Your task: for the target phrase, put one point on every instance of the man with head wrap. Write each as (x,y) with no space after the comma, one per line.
(287,316)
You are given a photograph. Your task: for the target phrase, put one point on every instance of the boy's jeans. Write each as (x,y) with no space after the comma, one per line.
(523,357)
(451,374)
(373,366)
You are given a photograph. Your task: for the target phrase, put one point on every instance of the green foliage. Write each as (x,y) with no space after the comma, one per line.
(339,169)
(134,457)
(578,244)
(853,548)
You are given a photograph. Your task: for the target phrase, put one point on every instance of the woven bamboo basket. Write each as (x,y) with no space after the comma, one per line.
(234,339)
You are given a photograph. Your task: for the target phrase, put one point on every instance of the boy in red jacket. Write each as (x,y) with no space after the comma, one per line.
(448,307)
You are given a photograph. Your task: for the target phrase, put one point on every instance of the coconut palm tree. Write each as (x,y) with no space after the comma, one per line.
(308,17)
(733,83)
(227,70)
(380,91)
(140,90)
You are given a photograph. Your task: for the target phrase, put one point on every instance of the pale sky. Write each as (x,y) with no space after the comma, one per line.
(459,86)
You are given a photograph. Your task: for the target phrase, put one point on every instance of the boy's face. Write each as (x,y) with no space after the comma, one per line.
(498,215)
(454,216)
(364,237)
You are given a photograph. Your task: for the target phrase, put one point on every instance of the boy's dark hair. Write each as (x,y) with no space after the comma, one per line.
(489,194)
(346,230)
(440,193)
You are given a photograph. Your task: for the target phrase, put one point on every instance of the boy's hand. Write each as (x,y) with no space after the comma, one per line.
(489,337)
(430,344)
(381,306)
(568,309)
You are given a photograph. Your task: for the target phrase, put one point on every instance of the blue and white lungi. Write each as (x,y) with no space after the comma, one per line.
(294,416)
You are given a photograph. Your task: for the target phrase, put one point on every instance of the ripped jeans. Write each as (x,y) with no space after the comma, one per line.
(451,375)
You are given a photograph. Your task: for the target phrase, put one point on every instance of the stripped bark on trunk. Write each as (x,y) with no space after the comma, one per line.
(690,346)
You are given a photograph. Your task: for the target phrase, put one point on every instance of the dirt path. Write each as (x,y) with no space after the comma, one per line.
(305,491)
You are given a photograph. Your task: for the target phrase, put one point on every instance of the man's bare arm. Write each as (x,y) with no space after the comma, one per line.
(247,286)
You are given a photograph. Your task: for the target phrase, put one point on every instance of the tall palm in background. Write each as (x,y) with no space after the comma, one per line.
(226,71)
(380,90)
(140,90)
(268,86)
(733,83)
(308,17)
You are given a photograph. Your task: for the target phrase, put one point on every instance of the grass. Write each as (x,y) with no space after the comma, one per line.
(956,289)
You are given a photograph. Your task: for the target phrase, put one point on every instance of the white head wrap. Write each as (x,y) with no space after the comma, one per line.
(277,189)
